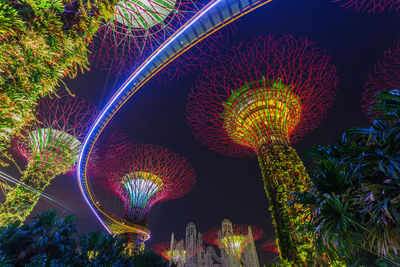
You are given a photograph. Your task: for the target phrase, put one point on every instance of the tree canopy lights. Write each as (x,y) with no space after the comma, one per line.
(261,109)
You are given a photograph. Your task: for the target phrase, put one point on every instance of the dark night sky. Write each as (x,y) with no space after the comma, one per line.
(228,187)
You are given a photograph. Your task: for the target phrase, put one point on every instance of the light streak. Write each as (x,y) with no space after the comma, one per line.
(44,196)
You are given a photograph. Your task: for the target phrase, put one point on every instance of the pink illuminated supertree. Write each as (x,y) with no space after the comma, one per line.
(370,6)
(142,175)
(386,77)
(164,249)
(257,100)
(137,28)
(50,146)
(270,246)
(195,59)
(233,238)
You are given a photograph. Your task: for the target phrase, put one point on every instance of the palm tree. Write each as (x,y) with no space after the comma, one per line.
(52,241)
(355,191)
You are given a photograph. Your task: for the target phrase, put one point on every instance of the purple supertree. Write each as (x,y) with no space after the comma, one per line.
(386,77)
(137,29)
(258,100)
(370,6)
(51,146)
(198,57)
(142,175)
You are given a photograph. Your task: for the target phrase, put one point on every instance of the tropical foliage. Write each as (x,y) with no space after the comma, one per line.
(40,43)
(355,192)
(50,240)
(53,241)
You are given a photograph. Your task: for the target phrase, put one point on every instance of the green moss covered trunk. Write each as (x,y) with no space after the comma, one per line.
(20,200)
(134,243)
(283,173)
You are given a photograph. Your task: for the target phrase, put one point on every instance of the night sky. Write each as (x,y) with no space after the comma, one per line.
(229,187)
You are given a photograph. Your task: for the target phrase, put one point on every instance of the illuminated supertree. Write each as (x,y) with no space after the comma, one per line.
(142,175)
(193,60)
(370,6)
(270,246)
(51,146)
(137,28)
(232,238)
(164,250)
(41,42)
(385,78)
(258,100)
(196,58)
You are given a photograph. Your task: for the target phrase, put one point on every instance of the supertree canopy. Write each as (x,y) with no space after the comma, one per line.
(233,239)
(258,100)
(270,246)
(386,77)
(41,42)
(164,249)
(138,27)
(51,146)
(142,175)
(194,60)
(370,6)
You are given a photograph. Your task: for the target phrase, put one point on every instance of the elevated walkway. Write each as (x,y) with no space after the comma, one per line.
(211,18)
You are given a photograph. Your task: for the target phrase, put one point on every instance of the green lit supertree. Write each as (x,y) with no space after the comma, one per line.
(258,100)
(41,42)
(141,175)
(51,146)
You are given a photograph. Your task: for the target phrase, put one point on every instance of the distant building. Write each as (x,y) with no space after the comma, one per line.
(234,250)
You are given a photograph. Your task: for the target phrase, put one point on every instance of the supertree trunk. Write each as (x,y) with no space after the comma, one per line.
(21,199)
(134,243)
(283,173)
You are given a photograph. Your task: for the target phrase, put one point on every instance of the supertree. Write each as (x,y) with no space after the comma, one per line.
(258,100)
(233,238)
(164,249)
(270,246)
(386,77)
(194,60)
(41,42)
(142,175)
(136,29)
(370,6)
(51,146)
